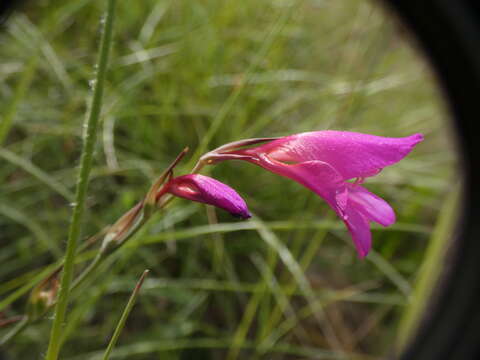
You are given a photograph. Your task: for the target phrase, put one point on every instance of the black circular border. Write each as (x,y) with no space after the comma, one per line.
(448,31)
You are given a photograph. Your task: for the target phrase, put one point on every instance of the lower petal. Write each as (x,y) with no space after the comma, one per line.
(359,228)
(370,205)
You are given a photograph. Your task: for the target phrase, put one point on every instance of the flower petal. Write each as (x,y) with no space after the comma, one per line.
(359,228)
(370,205)
(351,154)
(354,204)
(317,176)
(206,190)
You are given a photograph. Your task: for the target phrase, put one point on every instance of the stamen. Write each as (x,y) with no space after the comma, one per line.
(359,181)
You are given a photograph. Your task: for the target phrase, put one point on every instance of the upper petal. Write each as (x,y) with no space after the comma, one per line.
(207,190)
(351,154)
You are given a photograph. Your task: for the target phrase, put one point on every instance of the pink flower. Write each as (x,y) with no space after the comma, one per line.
(323,161)
(206,190)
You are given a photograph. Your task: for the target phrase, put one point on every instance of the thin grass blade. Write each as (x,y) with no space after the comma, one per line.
(123,318)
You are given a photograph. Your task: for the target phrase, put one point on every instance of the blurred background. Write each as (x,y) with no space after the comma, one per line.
(201,74)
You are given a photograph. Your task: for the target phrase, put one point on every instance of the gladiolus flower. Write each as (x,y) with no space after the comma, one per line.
(206,190)
(323,161)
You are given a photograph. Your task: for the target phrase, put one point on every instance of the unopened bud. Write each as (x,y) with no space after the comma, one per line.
(133,220)
(123,228)
(43,296)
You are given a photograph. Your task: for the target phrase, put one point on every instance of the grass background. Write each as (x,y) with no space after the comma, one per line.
(202,74)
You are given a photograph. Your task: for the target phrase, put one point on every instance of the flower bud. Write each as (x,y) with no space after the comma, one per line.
(43,296)
(209,191)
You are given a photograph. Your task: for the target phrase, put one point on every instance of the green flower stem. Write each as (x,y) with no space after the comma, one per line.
(82,184)
(123,318)
(102,255)
(96,262)
(20,92)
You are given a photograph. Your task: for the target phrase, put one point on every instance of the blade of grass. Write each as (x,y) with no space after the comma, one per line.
(20,92)
(35,171)
(16,282)
(265,47)
(282,299)
(123,318)
(217,241)
(32,225)
(273,225)
(35,36)
(294,267)
(95,288)
(431,267)
(18,328)
(291,322)
(31,278)
(211,285)
(290,288)
(82,185)
(25,288)
(391,273)
(151,347)
(33,281)
(239,338)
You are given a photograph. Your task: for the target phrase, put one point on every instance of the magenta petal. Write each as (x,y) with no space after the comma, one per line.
(355,205)
(206,190)
(363,207)
(351,154)
(359,228)
(322,161)
(318,176)
(370,205)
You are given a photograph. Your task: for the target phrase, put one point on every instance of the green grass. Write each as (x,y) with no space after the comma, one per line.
(285,285)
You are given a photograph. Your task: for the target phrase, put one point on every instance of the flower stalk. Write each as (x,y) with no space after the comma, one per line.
(86,161)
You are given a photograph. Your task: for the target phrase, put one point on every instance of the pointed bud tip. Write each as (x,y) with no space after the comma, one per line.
(243,214)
